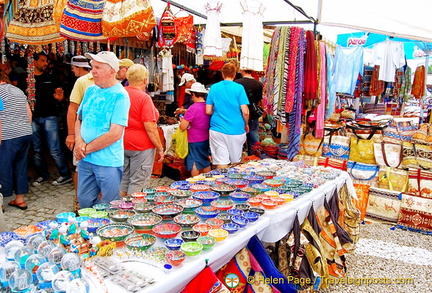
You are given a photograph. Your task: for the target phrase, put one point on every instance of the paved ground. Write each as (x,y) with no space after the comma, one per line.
(46,201)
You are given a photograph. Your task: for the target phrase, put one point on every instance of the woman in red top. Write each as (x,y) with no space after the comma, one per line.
(141,137)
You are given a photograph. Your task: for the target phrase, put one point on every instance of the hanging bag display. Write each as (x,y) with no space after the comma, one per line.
(81,20)
(33,23)
(127,18)
(311,145)
(167,32)
(398,132)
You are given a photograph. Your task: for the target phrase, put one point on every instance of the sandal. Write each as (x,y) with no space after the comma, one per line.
(21,206)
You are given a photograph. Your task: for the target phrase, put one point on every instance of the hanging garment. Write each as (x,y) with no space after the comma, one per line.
(167,73)
(320,111)
(331,104)
(418,85)
(310,70)
(212,37)
(199,57)
(33,23)
(184,27)
(252,35)
(269,81)
(348,64)
(376,85)
(389,55)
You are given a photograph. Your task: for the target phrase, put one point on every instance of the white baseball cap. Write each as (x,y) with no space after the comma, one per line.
(80,61)
(185,78)
(197,88)
(105,57)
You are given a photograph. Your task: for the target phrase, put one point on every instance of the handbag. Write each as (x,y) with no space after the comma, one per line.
(415,214)
(383,204)
(398,132)
(393,179)
(81,20)
(423,135)
(417,156)
(363,173)
(127,18)
(388,154)
(333,163)
(310,145)
(256,110)
(362,151)
(336,146)
(349,214)
(33,23)
(420,183)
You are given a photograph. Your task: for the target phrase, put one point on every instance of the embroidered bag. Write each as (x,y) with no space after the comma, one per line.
(349,214)
(416,214)
(33,23)
(81,20)
(334,163)
(388,154)
(393,179)
(384,204)
(310,145)
(417,156)
(423,135)
(420,183)
(363,173)
(336,146)
(398,132)
(167,32)
(127,18)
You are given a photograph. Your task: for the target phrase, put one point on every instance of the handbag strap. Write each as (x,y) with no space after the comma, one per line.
(352,168)
(385,156)
(373,128)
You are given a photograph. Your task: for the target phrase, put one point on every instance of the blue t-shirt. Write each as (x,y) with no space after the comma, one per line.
(1,105)
(226,97)
(100,108)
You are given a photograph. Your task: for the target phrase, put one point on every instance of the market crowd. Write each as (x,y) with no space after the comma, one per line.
(109,122)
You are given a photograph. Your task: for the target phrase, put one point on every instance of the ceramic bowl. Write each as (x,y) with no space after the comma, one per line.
(64,217)
(222,204)
(266,174)
(261,187)
(240,220)
(250,190)
(238,183)
(231,227)
(287,197)
(202,228)
(161,188)
(173,243)
(164,199)
(269,204)
(140,241)
(149,191)
(191,248)
(180,185)
(143,207)
(179,194)
(81,219)
(167,211)
(279,200)
(239,197)
(206,196)
(85,211)
(207,212)
(272,193)
(251,216)
(189,205)
(121,215)
(143,222)
(126,205)
(138,195)
(101,206)
(166,230)
(116,232)
(223,189)
(186,220)
(190,235)
(254,201)
(218,234)
(94,224)
(259,211)
(199,187)
(215,223)
(224,217)
(115,203)
(254,179)
(175,257)
(273,183)
(99,214)
(150,197)
(234,212)
(242,206)
(206,241)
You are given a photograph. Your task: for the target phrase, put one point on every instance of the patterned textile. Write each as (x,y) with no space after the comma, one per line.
(376,85)
(417,156)
(388,154)
(185,28)
(167,33)
(393,179)
(362,150)
(362,192)
(405,88)
(336,147)
(81,20)
(349,215)
(418,85)
(33,23)
(334,163)
(205,282)
(310,70)
(420,183)
(415,214)
(127,18)
(383,204)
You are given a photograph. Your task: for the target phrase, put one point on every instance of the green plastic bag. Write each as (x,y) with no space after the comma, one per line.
(181,143)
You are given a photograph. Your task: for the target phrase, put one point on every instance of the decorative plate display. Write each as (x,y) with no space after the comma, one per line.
(186,220)
(206,241)
(167,211)
(121,215)
(191,248)
(224,189)
(181,185)
(164,199)
(222,204)
(101,206)
(215,223)
(175,257)
(251,216)
(95,223)
(173,243)
(207,212)
(6,237)
(240,220)
(115,203)
(179,194)
(231,227)
(218,234)
(206,196)
(116,232)
(138,195)
(143,207)
(202,228)
(273,183)
(254,179)
(199,187)
(144,221)
(189,204)
(239,196)
(166,230)
(140,241)
(239,183)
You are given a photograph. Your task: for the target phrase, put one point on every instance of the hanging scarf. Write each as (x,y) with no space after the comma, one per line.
(269,81)
(320,111)
(310,76)
(418,86)
(376,85)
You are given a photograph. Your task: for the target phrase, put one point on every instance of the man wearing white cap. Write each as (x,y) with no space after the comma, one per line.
(102,117)
(187,80)
(123,68)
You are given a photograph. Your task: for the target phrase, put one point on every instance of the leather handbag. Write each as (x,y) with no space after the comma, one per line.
(127,18)
(388,154)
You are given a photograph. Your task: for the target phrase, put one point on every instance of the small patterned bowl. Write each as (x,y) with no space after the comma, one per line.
(101,206)
(235,212)
(255,201)
(269,204)
(218,234)
(99,214)
(203,229)
(190,235)
(231,227)
(93,224)
(179,194)
(138,195)
(224,217)
(167,211)
(85,211)
(161,188)
(279,200)
(121,215)
(140,241)
(238,183)
(64,217)
(251,216)
(242,206)
(166,230)
(143,222)
(287,197)
(206,196)
(173,243)
(175,257)
(181,185)
(149,191)
(239,197)
(224,189)
(126,205)
(240,220)
(215,223)
(273,183)
(206,241)
(116,232)
(191,248)
(143,207)
(150,197)
(186,220)
(222,204)
(207,212)
(259,211)
(189,204)
(199,187)
(262,187)
(266,174)
(115,203)
(254,179)
(164,199)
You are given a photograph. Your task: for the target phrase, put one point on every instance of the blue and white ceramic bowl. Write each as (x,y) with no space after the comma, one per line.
(240,220)
(173,243)
(231,227)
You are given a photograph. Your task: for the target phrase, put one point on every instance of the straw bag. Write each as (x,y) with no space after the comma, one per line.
(127,18)
(33,23)
(81,20)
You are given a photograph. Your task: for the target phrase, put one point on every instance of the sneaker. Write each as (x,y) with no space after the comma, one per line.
(62,180)
(39,181)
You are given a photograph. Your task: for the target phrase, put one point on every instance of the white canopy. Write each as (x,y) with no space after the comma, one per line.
(398,18)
